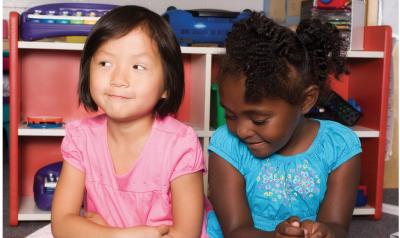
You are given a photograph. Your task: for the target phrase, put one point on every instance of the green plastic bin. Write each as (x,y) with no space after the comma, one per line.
(217,113)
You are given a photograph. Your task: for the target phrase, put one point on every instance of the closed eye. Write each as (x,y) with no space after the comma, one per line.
(259,122)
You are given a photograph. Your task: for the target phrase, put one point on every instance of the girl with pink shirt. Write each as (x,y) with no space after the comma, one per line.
(137,170)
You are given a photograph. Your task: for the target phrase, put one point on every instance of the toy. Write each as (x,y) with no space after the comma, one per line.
(202,26)
(332,3)
(44,122)
(361,196)
(44,185)
(337,109)
(61,19)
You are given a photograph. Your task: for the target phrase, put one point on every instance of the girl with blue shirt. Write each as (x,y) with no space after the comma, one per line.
(272,171)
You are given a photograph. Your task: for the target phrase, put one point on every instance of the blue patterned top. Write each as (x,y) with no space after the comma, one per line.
(282,186)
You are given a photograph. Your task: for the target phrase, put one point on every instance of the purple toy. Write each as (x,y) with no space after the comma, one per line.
(44,185)
(61,19)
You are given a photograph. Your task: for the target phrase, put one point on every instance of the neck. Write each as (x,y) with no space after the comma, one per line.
(126,131)
(302,138)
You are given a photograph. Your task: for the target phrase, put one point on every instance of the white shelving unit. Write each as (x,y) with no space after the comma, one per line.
(199,107)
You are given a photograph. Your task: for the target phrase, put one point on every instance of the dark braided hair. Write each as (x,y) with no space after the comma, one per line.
(280,63)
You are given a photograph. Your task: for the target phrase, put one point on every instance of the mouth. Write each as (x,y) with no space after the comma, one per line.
(255,144)
(118,97)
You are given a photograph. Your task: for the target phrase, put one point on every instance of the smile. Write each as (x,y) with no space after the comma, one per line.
(118,97)
(255,144)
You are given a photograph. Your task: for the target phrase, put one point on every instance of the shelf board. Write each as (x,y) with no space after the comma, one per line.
(28,211)
(364,54)
(361,132)
(367,210)
(49,45)
(184,49)
(364,132)
(25,131)
(202,50)
(79,46)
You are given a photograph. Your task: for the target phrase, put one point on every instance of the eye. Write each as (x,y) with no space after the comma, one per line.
(259,122)
(139,67)
(230,117)
(105,64)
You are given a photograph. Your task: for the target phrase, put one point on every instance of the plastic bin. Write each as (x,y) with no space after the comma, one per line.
(217,113)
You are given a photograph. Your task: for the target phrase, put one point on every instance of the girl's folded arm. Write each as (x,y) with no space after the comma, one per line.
(227,194)
(337,208)
(65,215)
(187,205)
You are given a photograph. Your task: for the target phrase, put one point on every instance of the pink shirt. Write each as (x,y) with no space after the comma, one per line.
(143,195)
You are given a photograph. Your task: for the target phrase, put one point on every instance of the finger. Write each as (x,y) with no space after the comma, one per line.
(163,230)
(294,221)
(289,230)
(317,235)
(308,227)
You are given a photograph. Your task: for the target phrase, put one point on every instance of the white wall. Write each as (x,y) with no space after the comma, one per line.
(155,5)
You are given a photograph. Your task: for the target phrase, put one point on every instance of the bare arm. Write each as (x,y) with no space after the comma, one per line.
(228,196)
(337,208)
(187,206)
(65,215)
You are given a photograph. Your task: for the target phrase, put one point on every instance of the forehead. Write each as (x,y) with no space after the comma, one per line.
(137,40)
(232,92)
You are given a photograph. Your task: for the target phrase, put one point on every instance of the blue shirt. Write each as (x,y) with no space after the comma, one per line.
(282,186)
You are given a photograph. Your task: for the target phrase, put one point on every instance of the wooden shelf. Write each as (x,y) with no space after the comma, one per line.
(364,132)
(367,210)
(185,49)
(23,130)
(28,211)
(361,132)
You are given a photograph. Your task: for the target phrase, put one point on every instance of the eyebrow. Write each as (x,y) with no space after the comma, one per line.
(139,55)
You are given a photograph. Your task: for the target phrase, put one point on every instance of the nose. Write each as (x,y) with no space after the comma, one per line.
(244,129)
(119,78)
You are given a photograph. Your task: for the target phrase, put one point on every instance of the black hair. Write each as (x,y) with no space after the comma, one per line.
(119,22)
(280,63)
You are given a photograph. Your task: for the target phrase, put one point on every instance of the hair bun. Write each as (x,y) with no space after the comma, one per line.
(324,43)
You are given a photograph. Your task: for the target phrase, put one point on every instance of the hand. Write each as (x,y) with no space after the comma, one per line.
(96,218)
(156,232)
(290,228)
(316,229)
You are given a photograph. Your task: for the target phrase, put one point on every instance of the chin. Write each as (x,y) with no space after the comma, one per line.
(261,154)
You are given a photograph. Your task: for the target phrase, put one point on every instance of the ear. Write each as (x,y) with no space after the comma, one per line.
(310,98)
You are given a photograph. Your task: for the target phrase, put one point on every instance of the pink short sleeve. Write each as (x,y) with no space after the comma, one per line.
(192,159)
(69,148)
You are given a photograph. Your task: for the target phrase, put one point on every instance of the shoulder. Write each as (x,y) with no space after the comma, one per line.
(338,132)
(222,137)
(338,143)
(169,126)
(231,149)
(86,124)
